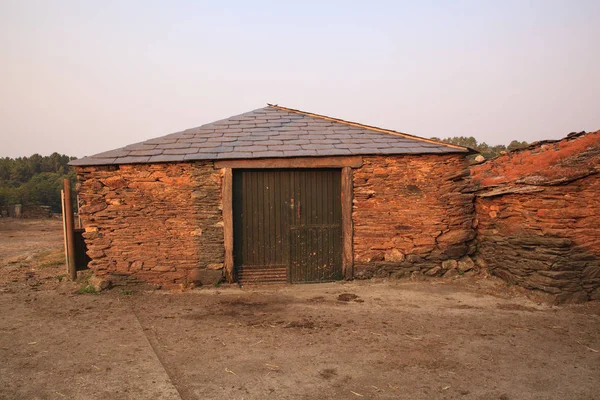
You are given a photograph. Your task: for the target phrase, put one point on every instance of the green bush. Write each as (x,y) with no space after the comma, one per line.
(35,180)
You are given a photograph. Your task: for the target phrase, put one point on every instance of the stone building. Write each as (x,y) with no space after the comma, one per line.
(538,217)
(276,195)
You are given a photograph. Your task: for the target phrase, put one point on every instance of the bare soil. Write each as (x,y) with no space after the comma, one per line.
(467,338)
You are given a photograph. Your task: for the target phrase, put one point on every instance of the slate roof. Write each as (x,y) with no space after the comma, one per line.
(271,132)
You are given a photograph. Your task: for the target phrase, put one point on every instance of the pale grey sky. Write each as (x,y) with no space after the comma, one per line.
(81,77)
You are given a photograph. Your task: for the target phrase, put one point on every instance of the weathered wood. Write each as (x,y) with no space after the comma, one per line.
(296,162)
(347,230)
(64,222)
(287,220)
(228,223)
(70,225)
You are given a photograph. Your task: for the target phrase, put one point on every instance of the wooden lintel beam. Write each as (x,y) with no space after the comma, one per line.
(294,162)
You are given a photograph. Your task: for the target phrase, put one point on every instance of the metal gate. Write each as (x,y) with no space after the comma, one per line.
(287,225)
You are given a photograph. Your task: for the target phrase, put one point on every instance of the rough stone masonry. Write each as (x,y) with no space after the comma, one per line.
(163,222)
(411,214)
(160,223)
(538,216)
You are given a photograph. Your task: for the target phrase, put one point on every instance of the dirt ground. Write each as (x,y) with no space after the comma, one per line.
(467,338)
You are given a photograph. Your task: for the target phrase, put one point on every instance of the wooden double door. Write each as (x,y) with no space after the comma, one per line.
(287,225)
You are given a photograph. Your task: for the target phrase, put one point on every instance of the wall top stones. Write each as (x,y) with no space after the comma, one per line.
(542,164)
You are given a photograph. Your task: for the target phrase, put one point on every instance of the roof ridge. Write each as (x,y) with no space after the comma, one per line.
(370,127)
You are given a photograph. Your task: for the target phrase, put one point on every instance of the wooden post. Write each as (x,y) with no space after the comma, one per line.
(228,223)
(347,229)
(64,221)
(70,227)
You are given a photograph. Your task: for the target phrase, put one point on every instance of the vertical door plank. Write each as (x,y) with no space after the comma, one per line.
(347,251)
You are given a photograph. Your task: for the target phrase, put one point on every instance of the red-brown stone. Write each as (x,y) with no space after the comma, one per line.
(539,216)
(417,206)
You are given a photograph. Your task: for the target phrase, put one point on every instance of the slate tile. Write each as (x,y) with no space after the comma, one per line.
(243,117)
(227,122)
(320,124)
(208,135)
(285,147)
(218,149)
(132,160)
(267,154)
(348,146)
(297,124)
(406,145)
(349,129)
(339,136)
(253,148)
(191,150)
(173,146)
(368,136)
(192,130)
(300,153)
(375,145)
(315,146)
(261,120)
(139,146)
(258,138)
(385,140)
(150,152)
(228,131)
(268,125)
(112,154)
(234,154)
(259,131)
(239,134)
(270,142)
(333,152)
(365,150)
(394,150)
(195,140)
(200,156)
(324,141)
(160,141)
(222,139)
(93,161)
(297,141)
(242,142)
(207,144)
(285,137)
(167,158)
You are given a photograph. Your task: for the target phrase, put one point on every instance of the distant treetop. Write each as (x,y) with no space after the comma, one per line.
(486,150)
(34,180)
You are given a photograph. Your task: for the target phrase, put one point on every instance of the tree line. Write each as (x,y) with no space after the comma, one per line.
(485,149)
(34,180)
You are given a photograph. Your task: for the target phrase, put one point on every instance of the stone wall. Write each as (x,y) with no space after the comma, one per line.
(412,215)
(160,223)
(538,215)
